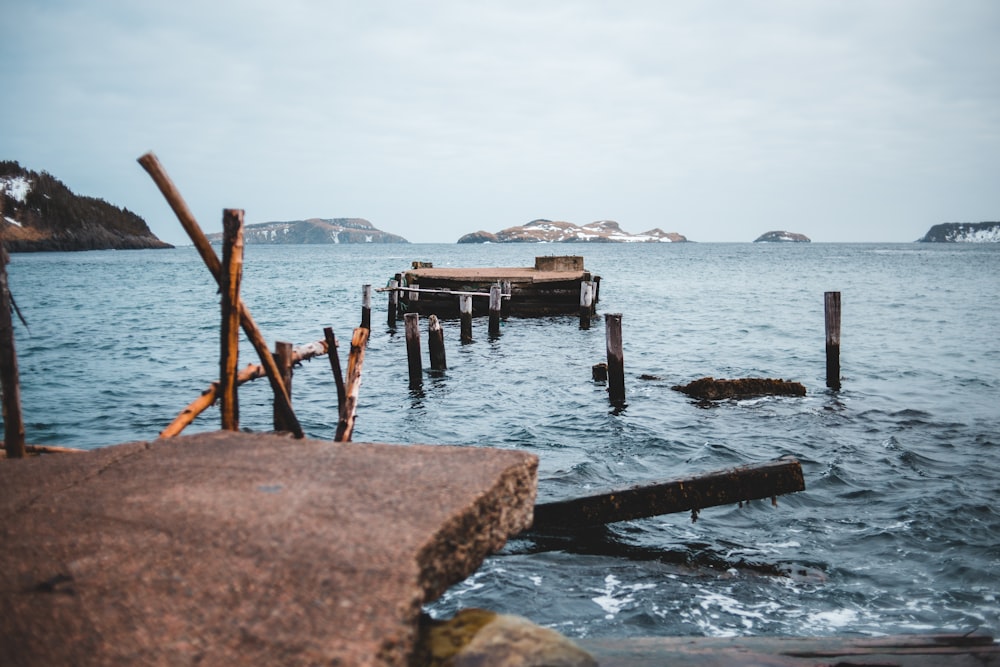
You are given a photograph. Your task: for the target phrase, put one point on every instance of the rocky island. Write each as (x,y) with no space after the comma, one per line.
(782,237)
(38,212)
(550,231)
(963,232)
(314,231)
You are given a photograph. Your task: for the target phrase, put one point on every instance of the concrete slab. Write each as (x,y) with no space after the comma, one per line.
(233,548)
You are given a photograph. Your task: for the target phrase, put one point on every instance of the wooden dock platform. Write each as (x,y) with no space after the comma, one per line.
(550,287)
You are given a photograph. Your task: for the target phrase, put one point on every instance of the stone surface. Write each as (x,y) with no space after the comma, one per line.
(479,638)
(232,548)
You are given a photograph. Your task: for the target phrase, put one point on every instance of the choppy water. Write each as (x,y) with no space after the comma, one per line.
(898,530)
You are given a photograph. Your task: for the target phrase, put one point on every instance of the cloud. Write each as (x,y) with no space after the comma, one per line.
(844,121)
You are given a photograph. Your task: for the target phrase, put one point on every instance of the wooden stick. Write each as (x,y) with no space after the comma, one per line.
(345,427)
(232,273)
(338,376)
(283,356)
(13,420)
(723,487)
(831,313)
(249,373)
(616,363)
(393,303)
(173,196)
(366,306)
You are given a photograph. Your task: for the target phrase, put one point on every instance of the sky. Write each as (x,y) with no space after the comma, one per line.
(844,120)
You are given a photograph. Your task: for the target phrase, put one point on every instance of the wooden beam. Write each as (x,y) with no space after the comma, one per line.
(345,427)
(723,487)
(13,421)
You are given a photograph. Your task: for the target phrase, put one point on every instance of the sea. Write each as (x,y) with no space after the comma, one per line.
(897,531)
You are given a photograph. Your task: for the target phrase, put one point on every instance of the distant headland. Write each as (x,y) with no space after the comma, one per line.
(39,213)
(551,231)
(314,231)
(963,232)
(782,237)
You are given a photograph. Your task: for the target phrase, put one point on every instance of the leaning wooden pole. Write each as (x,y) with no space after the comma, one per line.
(13,420)
(283,353)
(723,487)
(229,286)
(249,373)
(173,196)
(338,375)
(345,427)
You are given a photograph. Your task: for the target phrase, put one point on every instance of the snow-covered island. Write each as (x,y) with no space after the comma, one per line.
(554,231)
(963,232)
(314,231)
(782,237)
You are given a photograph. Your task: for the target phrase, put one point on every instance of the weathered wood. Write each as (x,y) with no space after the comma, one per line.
(413,362)
(345,426)
(173,196)
(586,303)
(229,287)
(13,419)
(435,344)
(494,326)
(465,317)
(969,650)
(249,373)
(338,376)
(393,303)
(831,313)
(616,362)
(283,357)
(722,487)
(366,306)
(599,372)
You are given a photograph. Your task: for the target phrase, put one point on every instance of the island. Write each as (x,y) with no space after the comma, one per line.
(553,231)
(782,237)
(963,232)
(314,231)
(39,213)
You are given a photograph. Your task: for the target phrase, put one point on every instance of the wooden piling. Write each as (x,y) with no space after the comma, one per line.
(283,358)
(229,287)
(345,426)
(435,344)
(465,315)
(412,326)
(173,196)
(13,419)
(586,303)
(495,299)
(831,311)
(722,487)
(393,303)
(366,306)
(616,361)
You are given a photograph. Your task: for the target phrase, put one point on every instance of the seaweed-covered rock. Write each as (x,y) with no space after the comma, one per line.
(710,389)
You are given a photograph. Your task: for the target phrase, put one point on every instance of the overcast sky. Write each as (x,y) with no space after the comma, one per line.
(845,120)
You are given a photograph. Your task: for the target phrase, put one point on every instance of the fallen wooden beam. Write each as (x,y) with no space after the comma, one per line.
(722,487)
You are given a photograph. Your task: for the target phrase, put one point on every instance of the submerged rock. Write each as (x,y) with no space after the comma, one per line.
(478,637)
(710,389)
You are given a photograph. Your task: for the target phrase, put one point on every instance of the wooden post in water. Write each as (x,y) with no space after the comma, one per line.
(366,306)
(393,303)
(345,426)
(495,310)
(616,360)
(13,420)
(465,315)
(586,303)
(506,287)
(338,376)
(173,196)
(412,325)
(435,344)
(831,313)
(229,286)
(283,358)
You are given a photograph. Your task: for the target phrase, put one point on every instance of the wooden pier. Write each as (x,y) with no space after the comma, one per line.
(550,287)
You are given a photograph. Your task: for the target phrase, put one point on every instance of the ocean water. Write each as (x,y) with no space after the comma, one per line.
(898,530)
